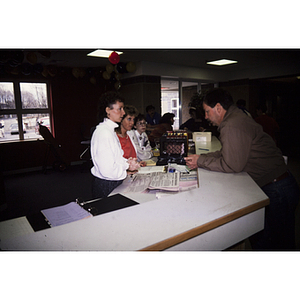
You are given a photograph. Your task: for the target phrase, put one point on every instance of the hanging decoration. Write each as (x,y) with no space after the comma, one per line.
(93,80)
(121,68)
(114,58)
(16,70)
(31,57)
(109,68)
(75,72)
(17,57)
(38,68)
(78,72)
(118,76)
(117,85)
(130,67)
(82,72)
(28,63)
(115,69)
(52,70)
(106,75)
(27,69)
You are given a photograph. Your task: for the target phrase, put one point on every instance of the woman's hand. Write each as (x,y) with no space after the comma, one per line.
(143,163)
(131,172)
(133,164)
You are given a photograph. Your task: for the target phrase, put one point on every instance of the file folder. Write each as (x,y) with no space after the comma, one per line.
(108,204)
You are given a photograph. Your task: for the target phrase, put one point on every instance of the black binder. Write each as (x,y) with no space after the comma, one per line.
(37,221)
(108,204)
(101,206)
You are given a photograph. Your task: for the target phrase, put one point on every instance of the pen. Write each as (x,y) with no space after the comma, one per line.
(203,149)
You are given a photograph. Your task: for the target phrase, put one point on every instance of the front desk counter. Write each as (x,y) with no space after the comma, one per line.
(224,210)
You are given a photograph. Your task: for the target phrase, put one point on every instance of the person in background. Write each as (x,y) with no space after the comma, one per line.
(247,148)
(2,133)
(140,139)
(126,141)
(165,124)
(241,104)
(269,125)
(195,123)
(109,166)
(152,117)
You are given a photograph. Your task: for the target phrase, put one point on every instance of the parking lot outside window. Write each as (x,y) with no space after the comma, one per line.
(23,105)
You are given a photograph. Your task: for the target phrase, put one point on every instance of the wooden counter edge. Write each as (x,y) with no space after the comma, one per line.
(162,245)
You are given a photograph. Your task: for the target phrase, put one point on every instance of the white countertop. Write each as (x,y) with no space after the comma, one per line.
(220,196)
(211,146)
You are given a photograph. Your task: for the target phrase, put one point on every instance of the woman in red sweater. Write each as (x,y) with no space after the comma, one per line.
(126,124)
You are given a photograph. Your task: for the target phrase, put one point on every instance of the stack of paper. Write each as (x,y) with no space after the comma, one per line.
(65,214)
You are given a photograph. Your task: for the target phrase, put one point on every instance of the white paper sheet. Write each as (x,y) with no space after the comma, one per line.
(15,227)
(65,214)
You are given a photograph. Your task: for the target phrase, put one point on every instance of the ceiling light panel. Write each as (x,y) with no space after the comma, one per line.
(102,53)
(221,62)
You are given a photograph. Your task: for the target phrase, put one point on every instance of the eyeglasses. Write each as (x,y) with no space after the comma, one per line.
(142,123)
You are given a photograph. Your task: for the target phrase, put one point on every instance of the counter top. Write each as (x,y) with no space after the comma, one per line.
(155,224)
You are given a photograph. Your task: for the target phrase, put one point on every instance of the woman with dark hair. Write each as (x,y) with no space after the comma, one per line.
(165,124)
(110,167)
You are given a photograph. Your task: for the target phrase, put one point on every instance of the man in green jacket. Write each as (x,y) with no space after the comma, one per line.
(247,148)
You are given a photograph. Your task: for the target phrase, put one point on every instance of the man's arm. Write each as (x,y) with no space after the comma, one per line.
(233,156)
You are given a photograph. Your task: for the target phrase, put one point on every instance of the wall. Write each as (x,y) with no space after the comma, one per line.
(142,91)
(239,89)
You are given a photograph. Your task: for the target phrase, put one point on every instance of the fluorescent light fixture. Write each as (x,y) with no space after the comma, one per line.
(102,53)
(221,62)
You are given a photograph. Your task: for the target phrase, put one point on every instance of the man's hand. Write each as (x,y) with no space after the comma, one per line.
(191,161)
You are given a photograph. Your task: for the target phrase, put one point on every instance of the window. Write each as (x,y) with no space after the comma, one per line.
(23,105)
(175,99)
(170,99)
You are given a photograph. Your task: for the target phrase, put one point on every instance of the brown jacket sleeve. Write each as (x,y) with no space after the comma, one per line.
(233,156)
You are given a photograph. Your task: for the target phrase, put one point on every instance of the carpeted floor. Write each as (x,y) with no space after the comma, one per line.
(30,192)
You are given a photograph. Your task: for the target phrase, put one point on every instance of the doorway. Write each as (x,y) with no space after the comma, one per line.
(175,98)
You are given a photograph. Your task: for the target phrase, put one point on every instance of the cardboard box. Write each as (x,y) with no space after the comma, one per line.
(201,136)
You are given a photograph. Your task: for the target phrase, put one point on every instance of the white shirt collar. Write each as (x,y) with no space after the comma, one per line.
(110,123)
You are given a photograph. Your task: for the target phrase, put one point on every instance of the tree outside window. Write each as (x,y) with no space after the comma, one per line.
(22,106)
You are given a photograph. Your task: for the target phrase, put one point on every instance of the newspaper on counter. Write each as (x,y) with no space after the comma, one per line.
(161,181)
(153,180)
(165,181)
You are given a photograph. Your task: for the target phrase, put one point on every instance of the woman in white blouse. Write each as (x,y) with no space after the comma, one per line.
(109,166)
(140,139)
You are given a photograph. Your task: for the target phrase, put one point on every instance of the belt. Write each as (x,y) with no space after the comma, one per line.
(282,176)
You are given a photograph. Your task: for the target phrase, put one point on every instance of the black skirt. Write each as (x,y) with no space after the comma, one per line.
(101,188)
